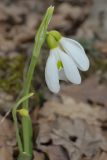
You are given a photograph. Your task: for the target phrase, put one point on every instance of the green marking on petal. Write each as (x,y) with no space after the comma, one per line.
(59,65)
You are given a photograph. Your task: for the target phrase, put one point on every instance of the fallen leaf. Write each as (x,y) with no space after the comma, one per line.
(76,136)
(6,153)
(102,47)
(71,108)
(6,101)
(91,90)
(7,139)
(38,156)
(103,156)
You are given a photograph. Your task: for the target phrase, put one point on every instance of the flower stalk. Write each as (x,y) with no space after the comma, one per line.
(25,142)
(39,40)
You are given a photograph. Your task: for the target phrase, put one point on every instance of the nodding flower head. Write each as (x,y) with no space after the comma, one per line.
(65,60)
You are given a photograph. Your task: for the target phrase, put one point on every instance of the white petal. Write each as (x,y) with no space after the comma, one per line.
(62,75)
(55,53)
(51,74)
(70,68)
(76,51)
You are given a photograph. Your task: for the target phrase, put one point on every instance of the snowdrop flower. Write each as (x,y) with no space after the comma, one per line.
(65,58)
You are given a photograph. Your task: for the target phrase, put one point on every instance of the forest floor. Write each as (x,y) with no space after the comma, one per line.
(71,125)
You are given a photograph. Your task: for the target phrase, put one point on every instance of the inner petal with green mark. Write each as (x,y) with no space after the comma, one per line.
(59,65)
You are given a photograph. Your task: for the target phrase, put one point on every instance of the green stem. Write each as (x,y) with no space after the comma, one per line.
(39,40)
(14,112)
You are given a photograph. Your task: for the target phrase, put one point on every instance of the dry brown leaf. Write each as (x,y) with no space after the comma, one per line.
(87,29)
(69,107)
(19,27)
(102,47)
(68,17)
(96,23)
(6,153)
(54,152)
(60,22)
(78,2)
(7,139)
(73,125)
(3,15)
(6,101)
(75,12)
(103,156)
(91,91)
(38,156)
(76,136)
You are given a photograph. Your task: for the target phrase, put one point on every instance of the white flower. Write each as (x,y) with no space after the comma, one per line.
(63,63)
(76,52)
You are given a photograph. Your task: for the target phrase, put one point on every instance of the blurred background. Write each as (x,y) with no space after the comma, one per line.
(78,110)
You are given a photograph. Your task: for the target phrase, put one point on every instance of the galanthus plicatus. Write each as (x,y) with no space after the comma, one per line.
(65,58)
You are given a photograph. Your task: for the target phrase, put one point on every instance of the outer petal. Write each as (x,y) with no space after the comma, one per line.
(70,68)
(76,51)
(51,74)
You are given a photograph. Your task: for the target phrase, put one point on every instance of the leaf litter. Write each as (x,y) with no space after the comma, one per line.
(73,127)
(7,139)
(73,124)
(76,121)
